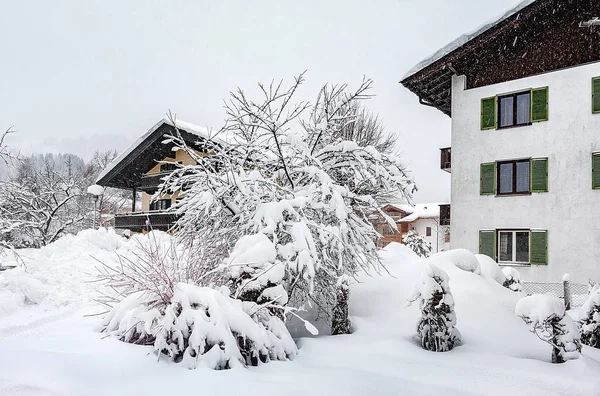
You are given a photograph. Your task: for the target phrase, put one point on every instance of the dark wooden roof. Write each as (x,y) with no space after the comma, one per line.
(127,172)
(539,38)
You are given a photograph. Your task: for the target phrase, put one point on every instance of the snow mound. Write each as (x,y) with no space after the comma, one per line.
(460,258)
(490,268)
(540,307)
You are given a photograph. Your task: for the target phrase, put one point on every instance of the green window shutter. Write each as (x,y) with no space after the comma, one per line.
(596,171)
(539,175)
(538,247)
(487,243)
(488,113)
(596,95)
(539,104)
(487,179)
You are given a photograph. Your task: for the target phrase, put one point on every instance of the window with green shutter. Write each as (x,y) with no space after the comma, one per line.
(487,243)
(596,171)
(539,247)
(487,178)
(596,95)
(488,113)
(539,104)
(539,175)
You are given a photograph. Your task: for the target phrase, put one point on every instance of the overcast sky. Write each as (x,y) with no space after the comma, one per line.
(76,76)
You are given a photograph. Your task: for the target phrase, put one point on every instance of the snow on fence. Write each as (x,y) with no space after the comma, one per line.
(576,293)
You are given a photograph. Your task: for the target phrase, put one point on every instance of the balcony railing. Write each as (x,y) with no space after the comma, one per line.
(445,159)
(145,221)
(152,180)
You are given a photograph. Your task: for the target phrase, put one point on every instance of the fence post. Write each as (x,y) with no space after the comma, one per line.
(567,291)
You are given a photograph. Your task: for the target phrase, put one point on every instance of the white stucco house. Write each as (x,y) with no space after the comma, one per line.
(524,96)
(424,219)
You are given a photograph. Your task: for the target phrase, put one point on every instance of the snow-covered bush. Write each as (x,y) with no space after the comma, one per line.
(547,319)
(589,321)
(201,326)
(418,244)
(341,321)
(280,174)
(512,279)
(436,329)
(491,268)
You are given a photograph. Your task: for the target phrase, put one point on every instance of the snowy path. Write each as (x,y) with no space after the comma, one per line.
(60,354)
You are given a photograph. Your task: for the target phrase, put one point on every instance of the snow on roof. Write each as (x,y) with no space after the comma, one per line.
(465,38)
(421,211)
(186,126)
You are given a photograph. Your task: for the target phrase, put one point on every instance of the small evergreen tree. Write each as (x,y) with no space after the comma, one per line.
(589,321)
(418,244)
(546,318)
(436,328)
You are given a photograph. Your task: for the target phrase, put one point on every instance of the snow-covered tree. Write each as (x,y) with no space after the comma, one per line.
(44,198)
(589,321)
(6,155)
(546,318)
(281,173)
(512,279)
(418,244)
(436,328)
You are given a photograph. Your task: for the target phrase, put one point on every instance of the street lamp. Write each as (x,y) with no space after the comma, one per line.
(96,191)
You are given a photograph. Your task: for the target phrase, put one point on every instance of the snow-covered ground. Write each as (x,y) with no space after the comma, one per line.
(48,346)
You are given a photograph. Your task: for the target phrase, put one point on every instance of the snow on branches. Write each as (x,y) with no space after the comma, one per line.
(546,318)
(436,329)
(418,244)
(280,174)
(589,321)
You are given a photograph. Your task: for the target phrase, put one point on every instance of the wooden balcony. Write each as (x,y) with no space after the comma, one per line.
(145,221)
(445,159)
(149,183)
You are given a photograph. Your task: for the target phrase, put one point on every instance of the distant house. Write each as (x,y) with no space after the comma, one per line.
(139,169)
(524,96)
(424,219)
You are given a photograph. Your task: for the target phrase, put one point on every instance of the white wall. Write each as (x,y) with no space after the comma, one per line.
(570,211)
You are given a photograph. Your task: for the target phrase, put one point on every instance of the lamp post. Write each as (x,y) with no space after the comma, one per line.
(96,191)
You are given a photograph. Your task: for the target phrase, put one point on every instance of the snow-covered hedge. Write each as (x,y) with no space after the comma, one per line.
(546,318)
(201,327)
(436,328)
(590,318)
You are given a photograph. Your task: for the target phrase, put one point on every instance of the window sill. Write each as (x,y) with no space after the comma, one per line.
(514,194)
(513,126)
(513,264)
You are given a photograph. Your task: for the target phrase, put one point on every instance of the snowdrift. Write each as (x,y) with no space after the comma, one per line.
(497,356)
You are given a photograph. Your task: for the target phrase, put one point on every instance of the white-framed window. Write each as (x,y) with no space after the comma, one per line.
(513,246)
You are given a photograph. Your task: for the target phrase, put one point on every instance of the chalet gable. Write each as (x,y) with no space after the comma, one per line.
(126,171)
(533,38)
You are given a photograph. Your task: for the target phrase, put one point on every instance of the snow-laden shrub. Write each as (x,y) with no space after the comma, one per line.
(512,279)
(201,326)
(491,268)
(589,321)
(436,329)
(340,323)
(418,244)
(546,317)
